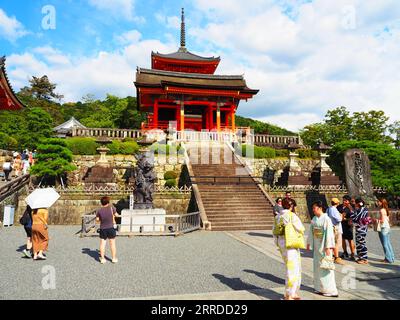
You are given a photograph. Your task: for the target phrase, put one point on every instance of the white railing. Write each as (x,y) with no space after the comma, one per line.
(193,136)
(113,190)
(270,140)
(108,132)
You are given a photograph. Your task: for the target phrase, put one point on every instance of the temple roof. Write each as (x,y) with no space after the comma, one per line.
(185,55)
(159,78)
(68,125)
(6,89)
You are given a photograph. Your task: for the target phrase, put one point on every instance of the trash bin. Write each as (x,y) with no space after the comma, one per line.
(8,216)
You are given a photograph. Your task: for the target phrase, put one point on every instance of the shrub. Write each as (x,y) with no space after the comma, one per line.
(260,152)
(7,142)
(308,154)
(82,146)
(170,183)
(165,149)
(283,153)
(170,175)
(120,147)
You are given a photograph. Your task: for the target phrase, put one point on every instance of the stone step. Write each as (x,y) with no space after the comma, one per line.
(231,211)
(246,220)
(246,206)
(240,227)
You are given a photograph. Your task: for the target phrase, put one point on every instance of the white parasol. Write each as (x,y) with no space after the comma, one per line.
(42,198)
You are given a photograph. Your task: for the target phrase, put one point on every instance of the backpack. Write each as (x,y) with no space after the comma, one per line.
(26,218)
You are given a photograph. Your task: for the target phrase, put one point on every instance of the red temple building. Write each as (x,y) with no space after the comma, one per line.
(8,99)
(182,87)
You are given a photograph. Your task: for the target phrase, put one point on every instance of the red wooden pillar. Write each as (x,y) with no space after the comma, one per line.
(182,113)
(177,116)
(227,114)
(210,114)
(218,117)
(207,117)
(233,118)
(155,114)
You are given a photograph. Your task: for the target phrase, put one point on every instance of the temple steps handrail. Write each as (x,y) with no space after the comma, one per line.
(13,186)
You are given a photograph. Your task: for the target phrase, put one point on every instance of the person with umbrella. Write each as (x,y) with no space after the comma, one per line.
(40,200)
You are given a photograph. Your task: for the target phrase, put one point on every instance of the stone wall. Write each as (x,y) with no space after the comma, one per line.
(260,165)
(69,209)
(122,165)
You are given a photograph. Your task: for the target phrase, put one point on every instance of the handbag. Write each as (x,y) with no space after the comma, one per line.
(377,226)
(279,229)
(327,263)
(293,239)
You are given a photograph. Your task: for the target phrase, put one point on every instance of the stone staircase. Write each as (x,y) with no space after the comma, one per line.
(228,203)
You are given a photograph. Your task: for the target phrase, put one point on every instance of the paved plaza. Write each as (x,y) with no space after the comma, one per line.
(199,265)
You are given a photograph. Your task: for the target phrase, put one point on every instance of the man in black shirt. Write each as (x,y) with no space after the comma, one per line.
(347,225)
(289,197)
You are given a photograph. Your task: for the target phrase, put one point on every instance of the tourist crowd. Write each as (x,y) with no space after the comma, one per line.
(329,230)
(20,163)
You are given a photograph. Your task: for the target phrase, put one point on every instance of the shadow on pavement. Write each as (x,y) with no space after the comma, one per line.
(272,278)
(91,253)
(238,284)
(21,248)
(258,234)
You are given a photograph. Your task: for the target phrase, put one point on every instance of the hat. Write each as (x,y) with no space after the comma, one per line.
(335,200)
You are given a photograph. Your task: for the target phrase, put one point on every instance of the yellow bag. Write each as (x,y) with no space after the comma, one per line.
(294,239)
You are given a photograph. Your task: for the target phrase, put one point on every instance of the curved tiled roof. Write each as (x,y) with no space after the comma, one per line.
(3,75)
(183,54)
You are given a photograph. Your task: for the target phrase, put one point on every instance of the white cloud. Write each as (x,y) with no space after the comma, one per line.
(106,72)
(310,60)
(121,8)
(10,28)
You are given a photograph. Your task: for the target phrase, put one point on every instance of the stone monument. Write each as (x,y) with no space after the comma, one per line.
(143,217)
(102,173)
(324,174)
(358,175)
(295,175)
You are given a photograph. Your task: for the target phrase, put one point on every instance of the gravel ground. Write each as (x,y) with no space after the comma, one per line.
(148,266)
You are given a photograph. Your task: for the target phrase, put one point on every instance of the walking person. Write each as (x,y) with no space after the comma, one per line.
(106,216)
(40,235)
(17,165)
(278,207)
(321,240)
(360,220)
(288,196)
(346,210)
(25,165)
(291,256)
(26,221)
(383,228)
(7,169)
(336,219)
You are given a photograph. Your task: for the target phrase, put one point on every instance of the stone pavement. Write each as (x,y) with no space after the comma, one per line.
(374,281)
(197,266)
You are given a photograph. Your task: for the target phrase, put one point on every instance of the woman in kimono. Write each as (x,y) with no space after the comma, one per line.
(359,218)
(291,257)
(321,240)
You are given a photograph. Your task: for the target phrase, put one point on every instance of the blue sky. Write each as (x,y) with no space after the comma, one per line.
(305,56)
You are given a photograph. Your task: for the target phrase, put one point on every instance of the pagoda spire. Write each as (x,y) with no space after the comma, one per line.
(183,32)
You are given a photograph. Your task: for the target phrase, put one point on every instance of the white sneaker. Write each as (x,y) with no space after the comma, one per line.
(103,261)
(114,261)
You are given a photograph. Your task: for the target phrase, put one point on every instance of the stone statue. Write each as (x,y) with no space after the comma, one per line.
(144,178)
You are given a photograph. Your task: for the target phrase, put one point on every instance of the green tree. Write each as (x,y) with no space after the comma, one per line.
(42,89)
(394,129)
(314,133)
(38,125)
(371,125)
(339,124)
(53,159)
